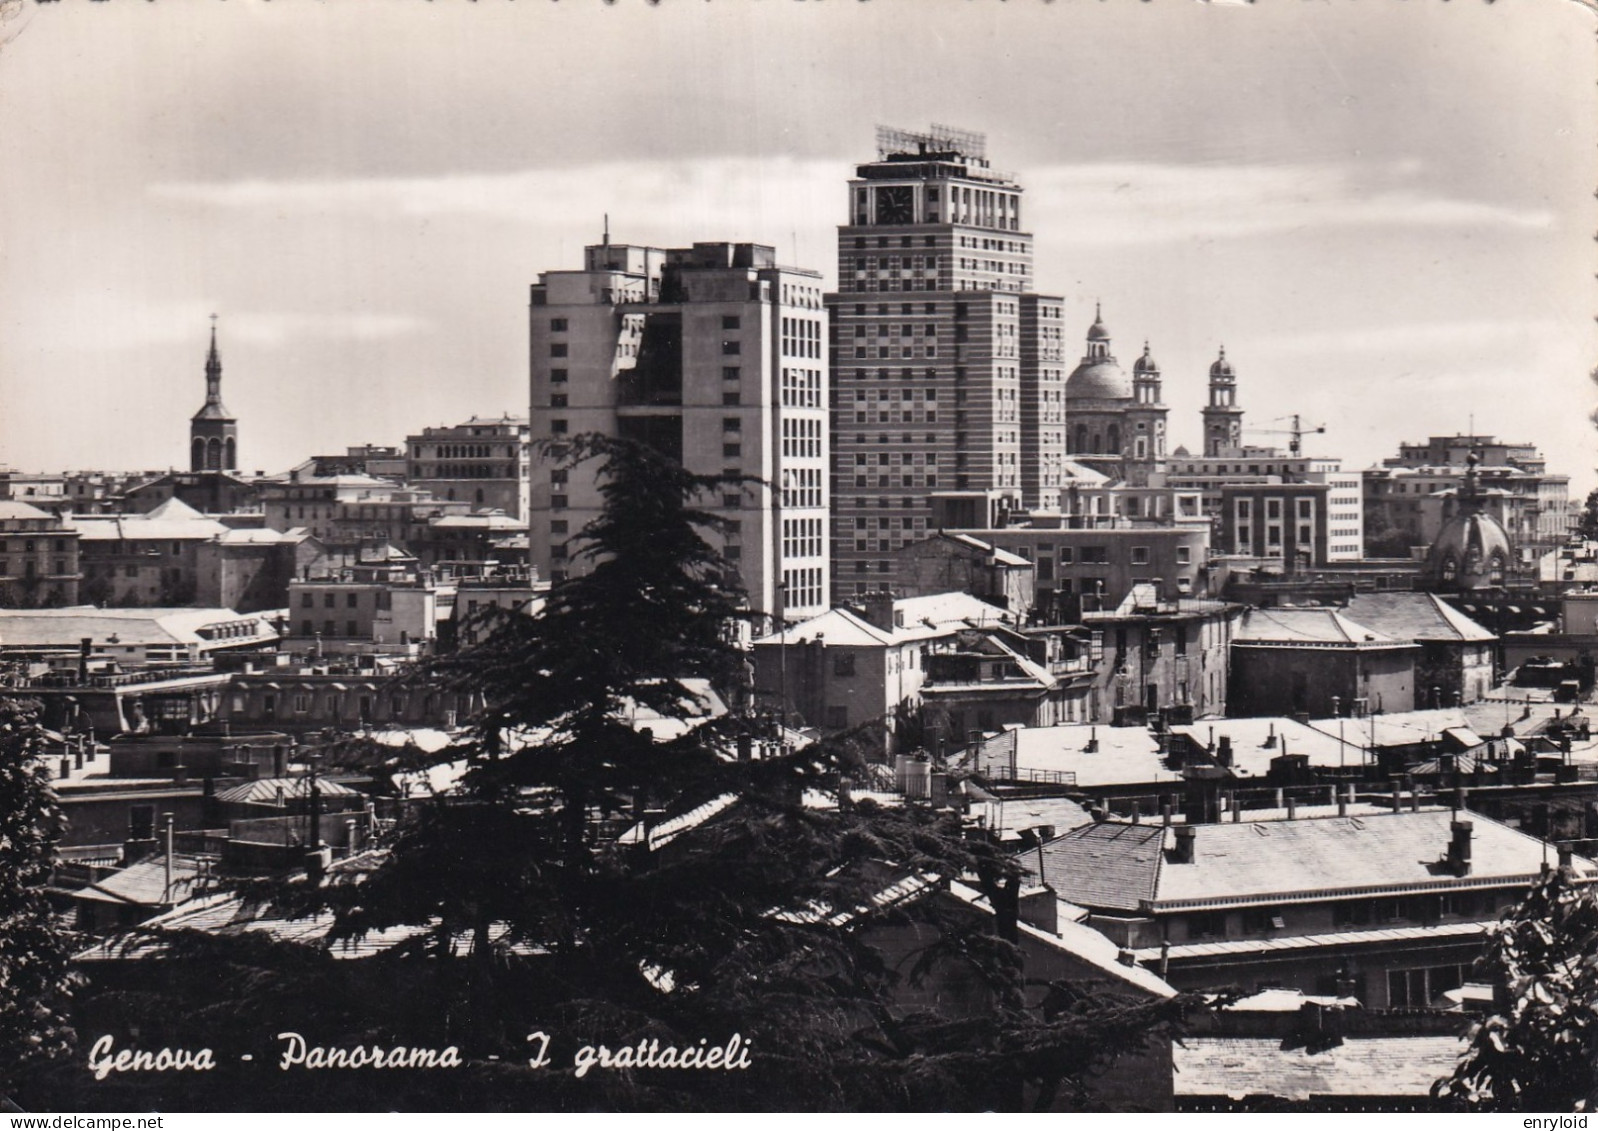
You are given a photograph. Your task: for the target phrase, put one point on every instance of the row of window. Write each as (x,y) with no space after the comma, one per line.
(803,588)
(801,538)
(801,487)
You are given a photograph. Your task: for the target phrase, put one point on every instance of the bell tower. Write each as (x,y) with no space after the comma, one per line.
(1223,416)
(213,432)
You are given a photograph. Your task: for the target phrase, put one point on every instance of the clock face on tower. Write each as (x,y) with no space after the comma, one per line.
(896,205)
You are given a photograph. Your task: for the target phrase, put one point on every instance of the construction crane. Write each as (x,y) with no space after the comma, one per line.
(1297,432)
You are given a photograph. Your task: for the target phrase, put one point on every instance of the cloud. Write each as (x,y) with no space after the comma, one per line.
(711,188)
(104,321)
(1087,205)
(1112,204)
(1430,338)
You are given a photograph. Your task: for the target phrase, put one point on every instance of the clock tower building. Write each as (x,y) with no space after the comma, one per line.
(948,369)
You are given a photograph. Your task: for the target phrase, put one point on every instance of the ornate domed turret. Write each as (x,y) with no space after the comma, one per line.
(1221,367)
(1146,363)
(1472,550)
(1097,331)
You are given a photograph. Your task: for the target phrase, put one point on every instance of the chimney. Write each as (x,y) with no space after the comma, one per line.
(1093,741)
(1270,739)
(1292,809)
(1186,845)
(1039,908)
(879,610)
(1166,813)
(1126,956)
(166,892)
(1223,752)
(1136,813)
(1398,796)
(1459,847)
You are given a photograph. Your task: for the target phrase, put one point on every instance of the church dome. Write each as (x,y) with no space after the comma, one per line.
(1097,331)
(1146,363)
(1221,367)
(1098,379)
(1472,551)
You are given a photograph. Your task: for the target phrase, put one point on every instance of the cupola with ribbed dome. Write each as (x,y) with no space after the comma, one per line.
(1098,377)
(1472,550)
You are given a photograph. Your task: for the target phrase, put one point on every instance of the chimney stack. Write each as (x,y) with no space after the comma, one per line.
(1186,845)
(1459,847)
(1223,752)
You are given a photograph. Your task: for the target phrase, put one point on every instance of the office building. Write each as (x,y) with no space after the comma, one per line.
(949,371)
(714,355)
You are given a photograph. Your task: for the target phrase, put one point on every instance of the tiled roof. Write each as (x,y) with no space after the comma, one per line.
(922,618)
(1125,755)
(1000,557)
(1318,856)
(1250,755)
(1415,616)
(12,509)
(267,791)
(1401,728)
(1361,1066)
(131,627)
(172,521)
(1305,626)
(1111,865)
(1080,942)
(144,883)
(1379,936)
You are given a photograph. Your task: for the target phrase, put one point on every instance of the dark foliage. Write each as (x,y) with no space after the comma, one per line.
(1538,1049)
(822,936)
(34,948)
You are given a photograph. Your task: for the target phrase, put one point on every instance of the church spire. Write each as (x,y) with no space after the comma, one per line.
(213,433)
(213,370)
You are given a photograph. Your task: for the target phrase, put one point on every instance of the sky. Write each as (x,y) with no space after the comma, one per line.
(1382,208)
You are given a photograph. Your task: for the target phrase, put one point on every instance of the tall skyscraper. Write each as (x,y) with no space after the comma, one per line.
(948,370)
(213,431)
(713,354)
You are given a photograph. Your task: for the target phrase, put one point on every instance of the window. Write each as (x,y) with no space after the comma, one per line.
(558,426)
(728,399)
(557,349)
(557,325)
(1140,555)
(1184,555)
(843,664)
(730,348)
(329,600)
(307,600)
(731,451)
(730,373)
(730,321)
(353,600)
(731,424)
(350,628)
(837,716)
(557,400)
(557,376)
